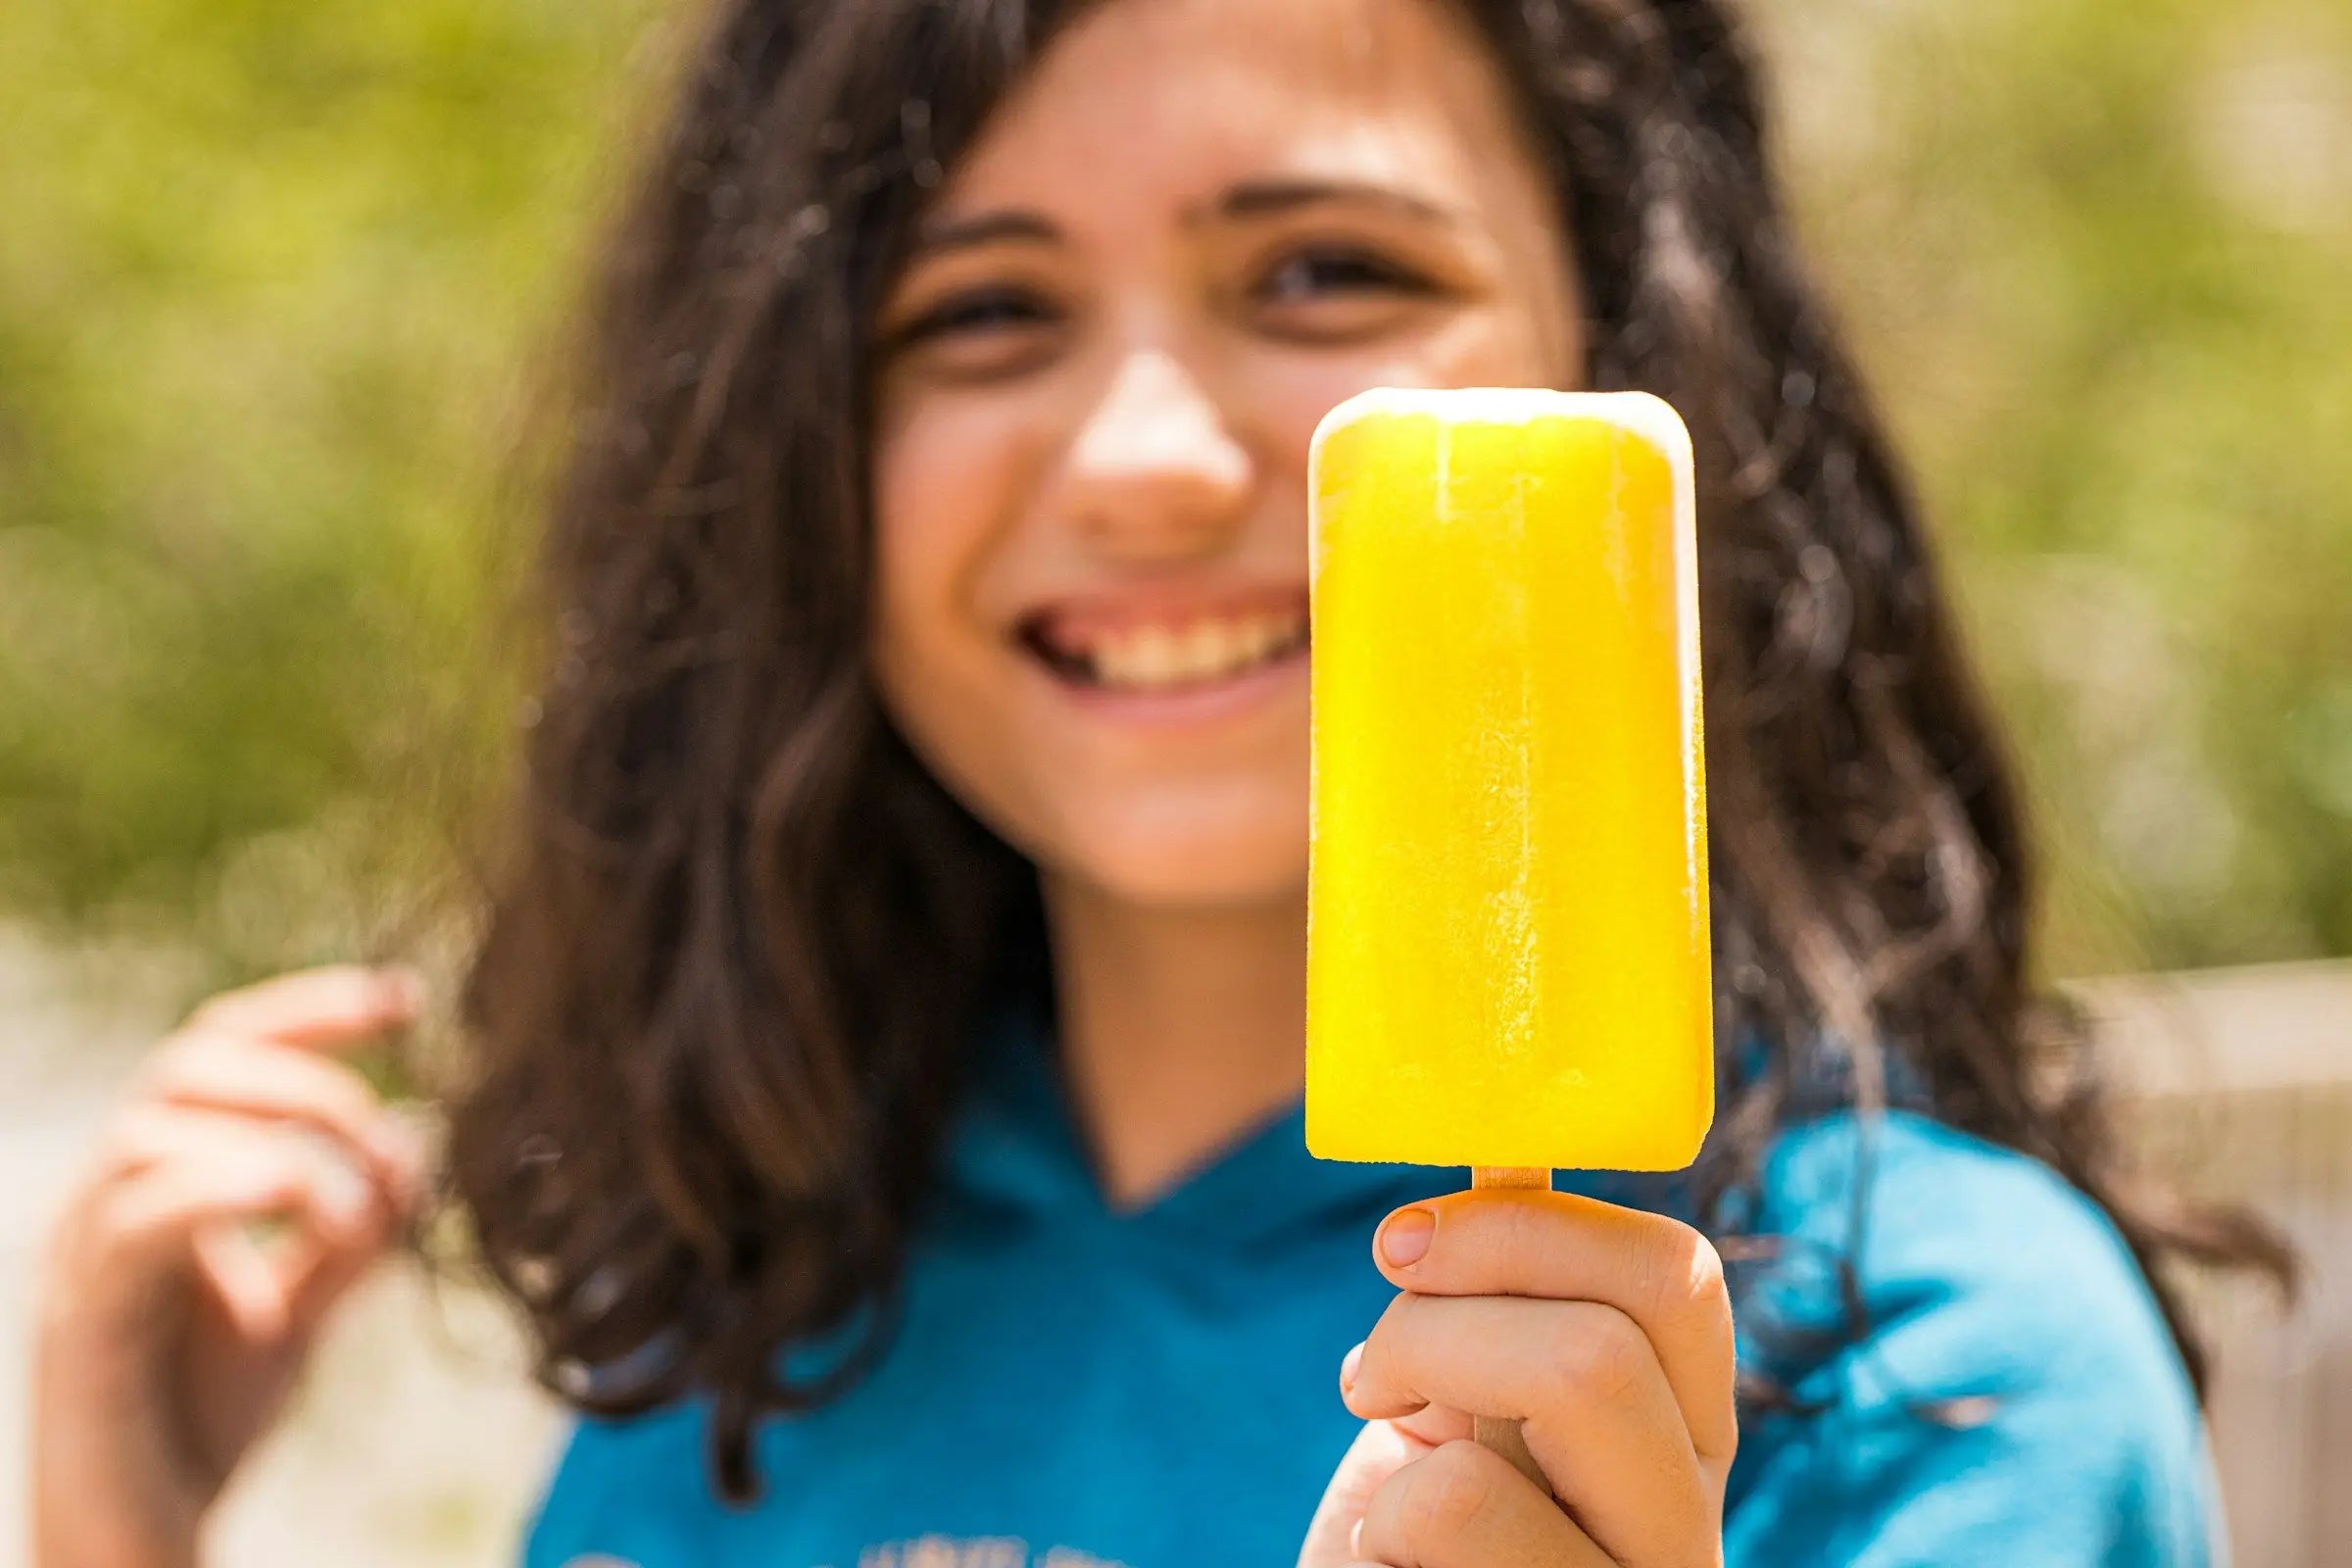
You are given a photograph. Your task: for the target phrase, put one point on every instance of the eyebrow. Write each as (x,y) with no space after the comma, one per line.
(988,228)
(1265,198)
(1261,198)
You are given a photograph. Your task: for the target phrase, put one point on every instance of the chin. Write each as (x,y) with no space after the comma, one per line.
(1203,870)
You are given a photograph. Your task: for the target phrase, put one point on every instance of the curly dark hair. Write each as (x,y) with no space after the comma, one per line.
(737,937)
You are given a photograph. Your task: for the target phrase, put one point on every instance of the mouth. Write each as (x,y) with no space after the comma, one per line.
(1170,651)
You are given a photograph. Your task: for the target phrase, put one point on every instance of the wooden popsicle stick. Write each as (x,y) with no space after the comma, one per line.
(1495,1433)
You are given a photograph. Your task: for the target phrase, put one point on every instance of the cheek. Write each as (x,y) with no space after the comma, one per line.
(1516,344)
(943,485)
(935,501)
(1494,345)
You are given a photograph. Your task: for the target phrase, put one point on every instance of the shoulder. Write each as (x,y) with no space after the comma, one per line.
(634,1487)
(1983,1362)
(1997,1254)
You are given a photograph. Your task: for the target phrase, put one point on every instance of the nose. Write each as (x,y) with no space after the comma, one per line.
(1155,472)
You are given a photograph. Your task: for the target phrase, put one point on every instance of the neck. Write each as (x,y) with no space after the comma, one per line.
(1181,1029)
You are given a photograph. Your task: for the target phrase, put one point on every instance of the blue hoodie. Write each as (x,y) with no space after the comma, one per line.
(1072,1387)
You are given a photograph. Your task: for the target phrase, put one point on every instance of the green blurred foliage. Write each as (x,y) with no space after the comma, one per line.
(2097,255)
(273,283)
(274,279)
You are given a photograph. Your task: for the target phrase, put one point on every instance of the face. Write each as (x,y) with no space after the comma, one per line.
(1192,230)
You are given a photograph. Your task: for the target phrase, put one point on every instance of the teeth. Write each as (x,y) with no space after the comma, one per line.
(1154,658)
(1209,645)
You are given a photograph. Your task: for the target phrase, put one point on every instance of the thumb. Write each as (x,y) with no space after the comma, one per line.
(1378,1452)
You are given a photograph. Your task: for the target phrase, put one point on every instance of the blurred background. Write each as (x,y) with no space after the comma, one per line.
(280,284)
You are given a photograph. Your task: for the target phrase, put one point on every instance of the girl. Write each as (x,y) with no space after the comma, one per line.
(889,1011)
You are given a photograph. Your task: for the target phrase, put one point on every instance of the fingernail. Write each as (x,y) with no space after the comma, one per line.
(343,1195)
(1348,1366)
(404,1153)
(1405,1236)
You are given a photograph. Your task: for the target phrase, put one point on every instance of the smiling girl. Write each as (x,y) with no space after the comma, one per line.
(889,1017)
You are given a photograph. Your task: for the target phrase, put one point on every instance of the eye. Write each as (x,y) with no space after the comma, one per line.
(1324,271)
(977,312)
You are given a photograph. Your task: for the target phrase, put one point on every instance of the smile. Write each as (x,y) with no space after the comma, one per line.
(1165,654)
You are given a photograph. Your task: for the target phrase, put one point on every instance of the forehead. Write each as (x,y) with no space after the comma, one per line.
(1138,99)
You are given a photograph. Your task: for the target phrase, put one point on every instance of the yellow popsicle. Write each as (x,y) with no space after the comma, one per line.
(1508,953)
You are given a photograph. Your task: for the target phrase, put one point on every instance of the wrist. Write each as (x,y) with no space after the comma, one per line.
(98,1500)
(92,1541)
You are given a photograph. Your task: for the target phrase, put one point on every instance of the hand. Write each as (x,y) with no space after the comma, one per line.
(169,1333)
(1607,1331)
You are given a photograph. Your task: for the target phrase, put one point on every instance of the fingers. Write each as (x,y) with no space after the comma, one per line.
(327,1274)
(1463,1507)
(164,1143)
(1599,1415)
(1435,1425)
(254,1054)
(150,1218)
(187,1185)
(238,1117)
(342,1005)
(274,1082)
(1661,1274)
(251,1289)
(1380,1450)
(161,1304)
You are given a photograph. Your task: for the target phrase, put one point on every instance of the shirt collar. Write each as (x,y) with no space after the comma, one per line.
(1016,1145)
